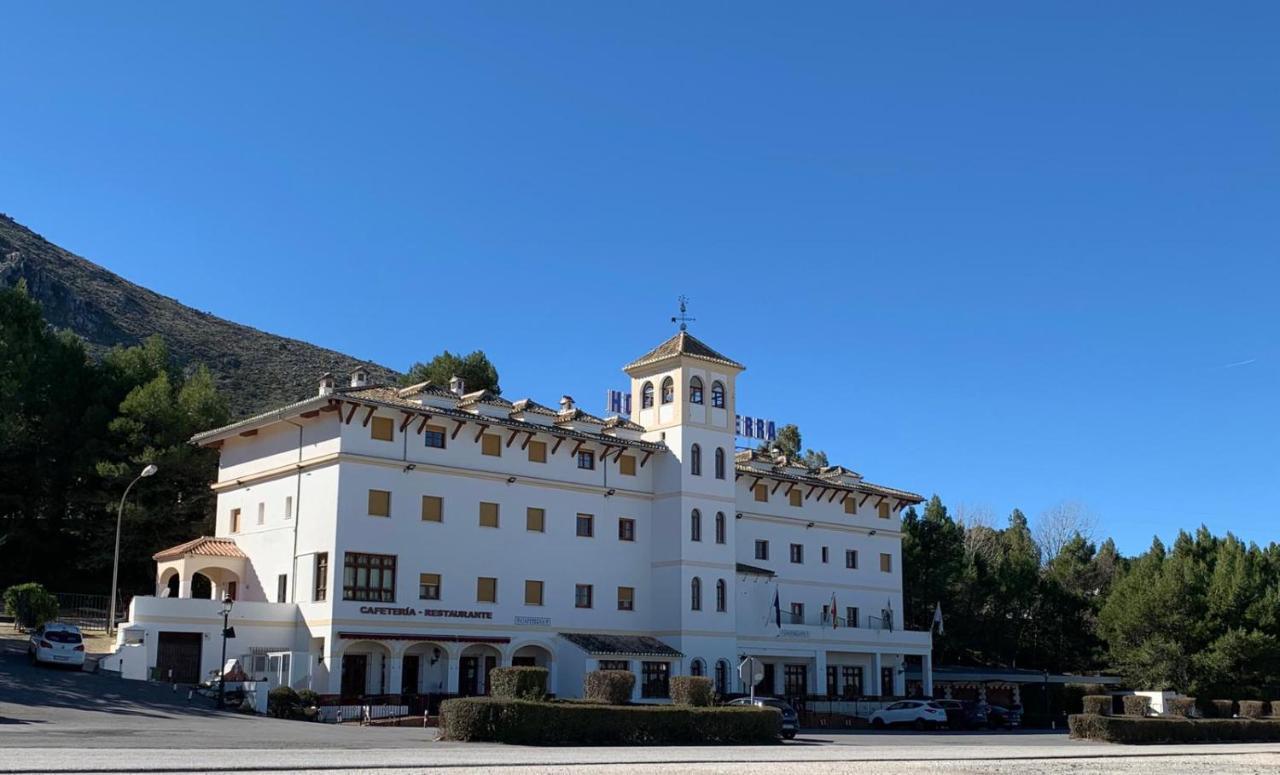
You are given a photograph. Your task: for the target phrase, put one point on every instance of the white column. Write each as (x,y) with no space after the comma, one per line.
(876,689)
(393,673)
(451,675)
(926,674)
(820,668)
(900,677)
(634,666)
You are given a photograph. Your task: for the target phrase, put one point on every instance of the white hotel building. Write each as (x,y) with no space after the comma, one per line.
(386,541)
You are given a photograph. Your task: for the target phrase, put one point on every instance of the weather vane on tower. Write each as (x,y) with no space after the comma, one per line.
(682,318)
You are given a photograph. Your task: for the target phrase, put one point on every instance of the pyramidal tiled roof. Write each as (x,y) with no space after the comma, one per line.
(205,546)
(683,343)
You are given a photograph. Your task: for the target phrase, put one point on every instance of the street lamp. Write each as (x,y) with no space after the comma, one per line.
(150,470)
(227,632)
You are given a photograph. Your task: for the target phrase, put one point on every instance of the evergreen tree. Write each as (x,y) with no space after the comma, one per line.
(476,370)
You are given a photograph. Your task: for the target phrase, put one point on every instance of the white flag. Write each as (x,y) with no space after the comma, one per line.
(937,617)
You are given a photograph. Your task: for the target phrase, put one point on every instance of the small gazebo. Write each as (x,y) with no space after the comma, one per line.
(218,560)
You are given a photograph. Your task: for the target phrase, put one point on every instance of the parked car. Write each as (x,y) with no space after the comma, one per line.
(999,716)
(790,719)
(56,643)
(964,714)
(921,714)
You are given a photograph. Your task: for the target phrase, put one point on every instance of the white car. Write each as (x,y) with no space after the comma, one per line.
(918,713)
(56,644)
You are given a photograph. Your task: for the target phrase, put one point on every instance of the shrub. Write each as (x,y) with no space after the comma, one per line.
(521,722)
(1099,704)
(1275,709)
(1130,729)
(612,687)
(691,690)
(1179,707)
(283,702)
(1136,705)
(1252,709)
(30,605)
(1221,708)
(519,683)
(307,698)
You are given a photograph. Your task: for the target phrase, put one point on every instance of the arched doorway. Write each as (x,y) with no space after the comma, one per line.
(424,669)
(201,587)
(170,584)
(531,655)
(473,669)
(364,669)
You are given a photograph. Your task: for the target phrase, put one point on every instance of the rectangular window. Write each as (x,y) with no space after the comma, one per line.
(535,520)
(582,596)
(626,529)
(235,520)
(851,616)
(795,496)
(762,550)
(627,465)
(883,509)
(587,460)
(797,613)
(379,503)
(825,554)
(586,525)
(851,678)
(797,553)
(382,429)
(491,445)
(626,598)
(369,577)
(614,664)
(433,436)
(288,507)
(850,505)
(655,679)
(262,513)
(282,588)
(428,586)
(762,492)
(537,452)
(886,562)
(488,514)
(851,558)
(432,508)
(532,592)
(486,589)
(321,590)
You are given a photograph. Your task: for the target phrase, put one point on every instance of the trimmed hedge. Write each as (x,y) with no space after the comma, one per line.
(283,702)
(1130,729)
(518,683)
(1136,705)
(691,690)
(520,722)
(30,605)
(1252,709)
(1099,704)
(612,687)
(1221,708)
(1180,706)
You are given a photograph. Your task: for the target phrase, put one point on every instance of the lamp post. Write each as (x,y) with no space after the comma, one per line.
(227,632)
(115,564)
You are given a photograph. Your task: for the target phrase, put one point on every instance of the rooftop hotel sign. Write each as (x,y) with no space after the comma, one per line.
(433,613)
(746,426)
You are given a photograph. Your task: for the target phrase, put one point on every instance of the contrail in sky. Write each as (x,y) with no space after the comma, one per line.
(1240,363)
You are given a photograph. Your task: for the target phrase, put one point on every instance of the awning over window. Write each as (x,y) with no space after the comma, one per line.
(620,645)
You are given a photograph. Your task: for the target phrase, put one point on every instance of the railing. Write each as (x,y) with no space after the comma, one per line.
(89,612)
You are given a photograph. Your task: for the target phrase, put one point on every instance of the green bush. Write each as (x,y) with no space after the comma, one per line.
(1136,705)
(612,687)
(519,683)
(691,690)
(1099,704)
(1130,729)
(306,699)
(283,702)
(30,605)
(521,722)
(1221,708)
(1179,706)
(1252,709)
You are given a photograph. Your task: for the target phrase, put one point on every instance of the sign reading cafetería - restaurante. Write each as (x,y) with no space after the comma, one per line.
(431,612)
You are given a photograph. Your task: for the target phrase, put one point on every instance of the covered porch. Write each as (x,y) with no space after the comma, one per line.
(206,568)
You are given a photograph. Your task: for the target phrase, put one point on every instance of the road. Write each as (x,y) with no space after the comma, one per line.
(67,721)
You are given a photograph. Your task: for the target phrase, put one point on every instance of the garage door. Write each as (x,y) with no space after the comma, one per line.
(178,657)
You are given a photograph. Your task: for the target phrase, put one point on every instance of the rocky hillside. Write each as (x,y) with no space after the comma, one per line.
(256,370)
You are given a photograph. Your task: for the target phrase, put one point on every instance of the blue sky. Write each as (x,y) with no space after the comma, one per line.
(1011,253)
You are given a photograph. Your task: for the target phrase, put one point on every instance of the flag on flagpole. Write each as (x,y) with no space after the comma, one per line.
(937,617)
(834,618)
(777,610)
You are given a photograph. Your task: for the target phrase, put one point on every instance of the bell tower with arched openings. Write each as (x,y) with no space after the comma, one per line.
(683,394)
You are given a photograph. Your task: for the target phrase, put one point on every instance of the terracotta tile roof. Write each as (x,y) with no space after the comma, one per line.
(577,415)
(533,407)
(483,397)
(204,546)
(620,645)
(749,464)
(618,421)
(683,343)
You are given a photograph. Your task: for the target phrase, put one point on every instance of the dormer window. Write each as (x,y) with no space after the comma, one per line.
(717,394)
(695,390)
(646,396)
(668,390)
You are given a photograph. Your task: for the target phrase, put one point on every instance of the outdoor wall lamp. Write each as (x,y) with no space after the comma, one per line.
(511,480)
(410,467)
(609,492)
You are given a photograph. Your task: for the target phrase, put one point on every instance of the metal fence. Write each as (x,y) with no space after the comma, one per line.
(89,612)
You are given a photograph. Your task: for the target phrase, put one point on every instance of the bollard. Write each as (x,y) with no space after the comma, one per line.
(339,715)
(190,692)
(426,717)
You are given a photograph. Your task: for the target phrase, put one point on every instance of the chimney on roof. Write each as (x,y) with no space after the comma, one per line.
(566,403)
(360,377)
(326,384)
(457,385)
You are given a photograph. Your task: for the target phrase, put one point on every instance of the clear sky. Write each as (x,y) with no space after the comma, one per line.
(1011,253)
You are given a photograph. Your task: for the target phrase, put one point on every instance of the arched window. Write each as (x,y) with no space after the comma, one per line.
(695,526)
(646,396)
(721,596)
(720,527)
(695,390)
(717,394)
(668,390)
(722,677)
(697,668)
(695,594)
(719,462)
(695,460)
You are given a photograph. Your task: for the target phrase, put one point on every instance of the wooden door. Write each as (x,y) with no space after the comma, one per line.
(178,657)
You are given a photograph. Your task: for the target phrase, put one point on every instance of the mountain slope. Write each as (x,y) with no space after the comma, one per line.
(255,370)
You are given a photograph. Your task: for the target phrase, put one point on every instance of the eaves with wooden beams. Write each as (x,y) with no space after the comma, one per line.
(817,488)
(360,404)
